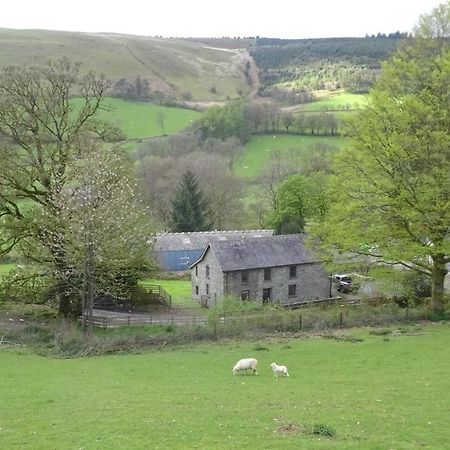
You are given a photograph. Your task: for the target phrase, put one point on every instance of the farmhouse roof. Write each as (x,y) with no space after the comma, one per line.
(268,251)
(166,242)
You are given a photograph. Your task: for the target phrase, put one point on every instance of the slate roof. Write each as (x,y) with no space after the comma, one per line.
(268,251)
(199,240)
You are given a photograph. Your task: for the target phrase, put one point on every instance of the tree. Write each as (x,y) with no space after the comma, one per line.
(189,207)
(161,120)
(391,190)
(106,231)
(300,199)
(41,134)
(224,122)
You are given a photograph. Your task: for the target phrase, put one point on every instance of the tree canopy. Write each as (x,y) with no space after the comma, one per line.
(42,138)
(391,192)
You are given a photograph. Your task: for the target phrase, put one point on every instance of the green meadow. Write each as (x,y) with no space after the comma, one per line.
(140,119)
(180,290)
(385,390)
(339,101)
(258,151)
(5,268)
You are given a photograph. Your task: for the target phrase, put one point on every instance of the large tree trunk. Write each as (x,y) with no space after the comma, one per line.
(438,273)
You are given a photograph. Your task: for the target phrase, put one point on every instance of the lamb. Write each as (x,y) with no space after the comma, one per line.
(279,370)
(245,364)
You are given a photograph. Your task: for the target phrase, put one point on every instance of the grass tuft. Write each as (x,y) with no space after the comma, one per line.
(322,429)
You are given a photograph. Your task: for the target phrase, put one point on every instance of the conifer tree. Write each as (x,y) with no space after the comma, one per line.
(189,207)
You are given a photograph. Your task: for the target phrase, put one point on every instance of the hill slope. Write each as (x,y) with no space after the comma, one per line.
(175,67)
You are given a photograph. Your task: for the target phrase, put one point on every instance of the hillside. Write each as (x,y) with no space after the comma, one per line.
(180,69)
(329,63)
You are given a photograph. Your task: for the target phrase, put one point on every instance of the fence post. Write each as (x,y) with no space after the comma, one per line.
(407,312)
(128,320)
(300,322)
(104,322)
(171,319)
(341,321)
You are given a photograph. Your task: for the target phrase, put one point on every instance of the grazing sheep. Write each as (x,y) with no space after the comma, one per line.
(279,370)
(245,364)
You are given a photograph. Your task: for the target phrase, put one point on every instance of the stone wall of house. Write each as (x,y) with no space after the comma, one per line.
(209,287)
(311,283)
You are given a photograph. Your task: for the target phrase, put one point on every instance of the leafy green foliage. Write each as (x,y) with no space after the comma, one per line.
(300,199)
(224,122)
(391,190)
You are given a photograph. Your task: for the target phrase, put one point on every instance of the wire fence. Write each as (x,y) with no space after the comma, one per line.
(312,316)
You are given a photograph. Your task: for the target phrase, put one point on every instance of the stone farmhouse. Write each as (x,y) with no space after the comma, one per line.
(271,268)
(176,252)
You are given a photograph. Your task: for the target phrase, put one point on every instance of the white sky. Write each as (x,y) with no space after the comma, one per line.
(212,18)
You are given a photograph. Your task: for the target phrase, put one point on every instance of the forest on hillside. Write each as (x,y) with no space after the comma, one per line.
(311,64)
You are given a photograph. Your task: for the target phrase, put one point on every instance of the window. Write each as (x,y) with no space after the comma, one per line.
(267,274)
(207,271)
(196,271)
(292,272)
(196,290)
(245,295)
(244,276)
(292,290)
(267,292)
(207,289)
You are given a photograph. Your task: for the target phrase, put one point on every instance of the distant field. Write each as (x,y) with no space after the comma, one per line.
(139,119)
(339,102)
(385,391)
(5,268)
(257,151)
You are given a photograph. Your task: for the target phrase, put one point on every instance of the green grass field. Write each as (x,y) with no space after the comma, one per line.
(139,119)
(257,152)
(180,290)
(174,66)
(389,391)
(5,268)
(338,101)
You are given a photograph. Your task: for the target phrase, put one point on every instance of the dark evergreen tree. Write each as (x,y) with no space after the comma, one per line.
(189,207)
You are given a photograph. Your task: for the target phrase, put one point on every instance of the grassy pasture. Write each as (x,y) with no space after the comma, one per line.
(257,152)
(389,390)
(180,290)
(336,102)
(174,66)
(5,268)
(139,119)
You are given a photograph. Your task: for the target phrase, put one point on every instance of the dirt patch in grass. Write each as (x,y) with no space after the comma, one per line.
(290,428)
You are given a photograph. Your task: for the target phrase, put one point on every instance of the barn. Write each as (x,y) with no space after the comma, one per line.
(175,252)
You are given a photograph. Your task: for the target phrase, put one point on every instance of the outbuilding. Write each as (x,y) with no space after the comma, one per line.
(176,252)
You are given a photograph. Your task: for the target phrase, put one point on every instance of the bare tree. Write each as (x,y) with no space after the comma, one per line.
(161,120)
(40,135)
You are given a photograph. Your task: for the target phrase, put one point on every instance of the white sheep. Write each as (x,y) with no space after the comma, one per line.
(245,364)
(279,370)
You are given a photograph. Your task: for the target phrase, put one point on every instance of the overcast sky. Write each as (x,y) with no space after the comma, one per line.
(212,18)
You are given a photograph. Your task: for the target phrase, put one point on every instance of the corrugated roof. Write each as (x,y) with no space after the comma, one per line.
(269,251)
(199,240)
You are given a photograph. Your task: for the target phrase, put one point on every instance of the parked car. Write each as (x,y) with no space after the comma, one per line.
(344,283)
